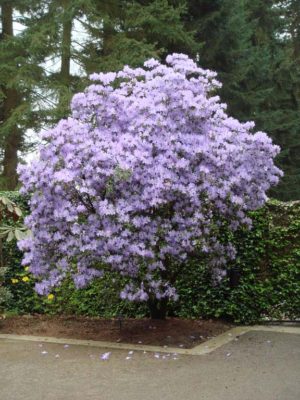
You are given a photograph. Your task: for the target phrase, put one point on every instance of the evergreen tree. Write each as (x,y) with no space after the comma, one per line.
(10,98)
(128,32)
(285,101)
(252,44)
(19,72)
(113,33)
(222,27)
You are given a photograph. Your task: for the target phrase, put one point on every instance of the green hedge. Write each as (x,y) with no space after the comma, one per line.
(268,263)
(267,268)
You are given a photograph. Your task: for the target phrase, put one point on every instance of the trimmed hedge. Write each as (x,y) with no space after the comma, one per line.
(263,282)
(268,268)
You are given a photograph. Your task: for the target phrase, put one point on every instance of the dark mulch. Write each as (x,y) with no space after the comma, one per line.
(173,332)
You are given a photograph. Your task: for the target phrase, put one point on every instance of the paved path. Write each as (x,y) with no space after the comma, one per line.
(256,366)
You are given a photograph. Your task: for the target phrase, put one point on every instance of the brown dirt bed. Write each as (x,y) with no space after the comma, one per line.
(173,332)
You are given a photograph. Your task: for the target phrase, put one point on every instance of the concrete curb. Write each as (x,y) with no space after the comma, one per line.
(95,343)
(203,348)
(234,333)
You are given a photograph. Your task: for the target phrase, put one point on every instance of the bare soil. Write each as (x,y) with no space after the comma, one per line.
(173,332)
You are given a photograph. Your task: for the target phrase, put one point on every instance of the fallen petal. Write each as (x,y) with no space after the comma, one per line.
(105,356)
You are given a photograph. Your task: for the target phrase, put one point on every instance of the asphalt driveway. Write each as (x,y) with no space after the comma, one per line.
(256,366)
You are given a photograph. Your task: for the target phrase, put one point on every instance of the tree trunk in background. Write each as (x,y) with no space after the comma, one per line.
(13,141)
(65,76)
(295,33)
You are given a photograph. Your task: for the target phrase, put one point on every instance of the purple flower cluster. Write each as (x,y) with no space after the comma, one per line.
(142,174)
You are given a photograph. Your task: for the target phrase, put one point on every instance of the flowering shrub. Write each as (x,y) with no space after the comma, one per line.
(147,170)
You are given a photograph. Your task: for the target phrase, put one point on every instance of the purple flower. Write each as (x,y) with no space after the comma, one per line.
(144,172)
(105,356)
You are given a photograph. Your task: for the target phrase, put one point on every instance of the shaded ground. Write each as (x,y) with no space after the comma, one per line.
(171,332)
(257,366)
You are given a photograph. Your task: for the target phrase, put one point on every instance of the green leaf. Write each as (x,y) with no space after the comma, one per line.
(4,233)
(19,234)
(10,236)
(18,211)
(4,200)
(10,207)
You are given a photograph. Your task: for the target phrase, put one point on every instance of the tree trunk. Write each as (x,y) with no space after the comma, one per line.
(10,161)
(13,140)
(65,76)
(296,45)
(158,308)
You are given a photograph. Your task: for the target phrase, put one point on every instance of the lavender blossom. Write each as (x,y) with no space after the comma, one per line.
(140,175)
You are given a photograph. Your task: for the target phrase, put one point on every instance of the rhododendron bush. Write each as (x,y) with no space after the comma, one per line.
(147,170)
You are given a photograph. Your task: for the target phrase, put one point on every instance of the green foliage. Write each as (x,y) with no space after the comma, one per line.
(254,45)
(46,58)
(11,228)
(268,265)
(5,294)
(9,210)
(101,298)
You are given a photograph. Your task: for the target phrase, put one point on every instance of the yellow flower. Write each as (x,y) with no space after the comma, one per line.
(50,296)
(25,279)
(14,280)
(26,268)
